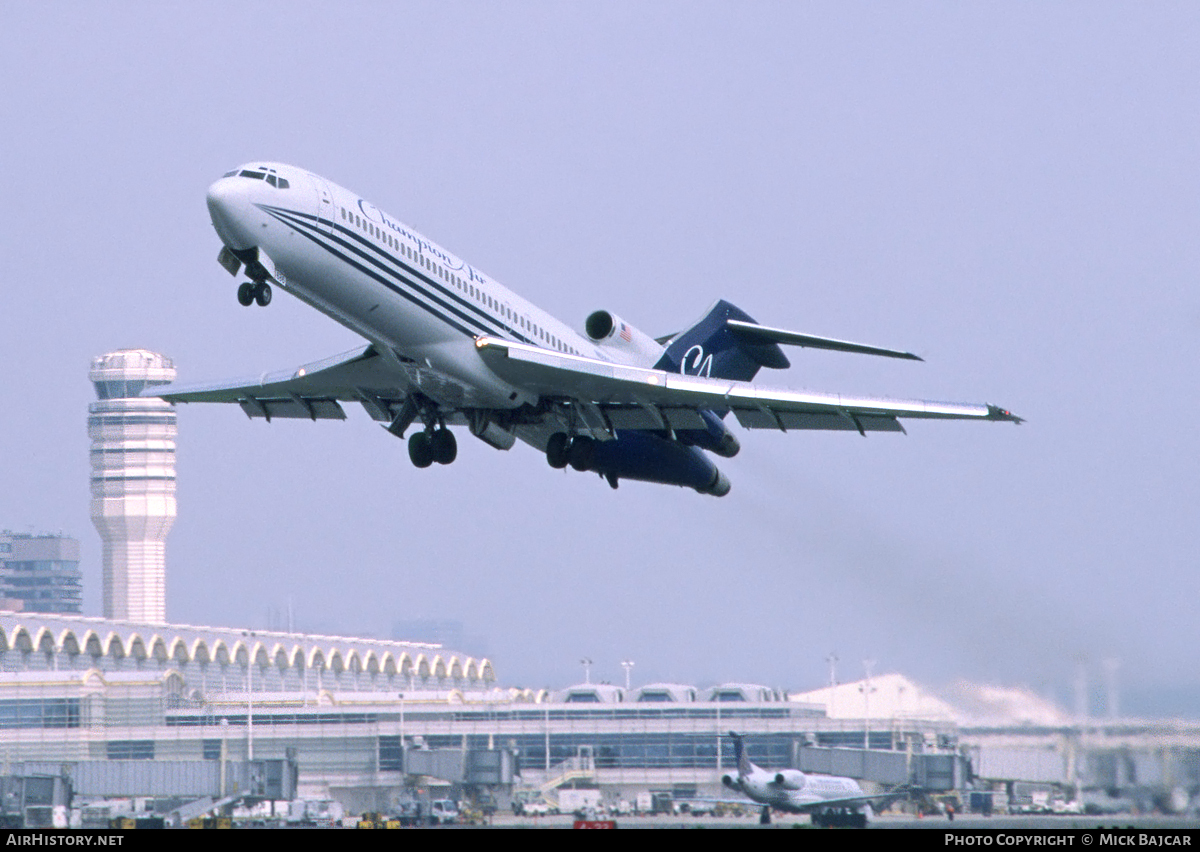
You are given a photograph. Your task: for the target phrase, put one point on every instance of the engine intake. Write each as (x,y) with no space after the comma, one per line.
(635,348)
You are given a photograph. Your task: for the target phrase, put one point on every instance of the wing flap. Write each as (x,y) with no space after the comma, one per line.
(767,418)
(310,392)
(649,417)
(300,408)
(879,801)
(646,397)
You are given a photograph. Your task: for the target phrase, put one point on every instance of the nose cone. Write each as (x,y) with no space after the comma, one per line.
(230,209)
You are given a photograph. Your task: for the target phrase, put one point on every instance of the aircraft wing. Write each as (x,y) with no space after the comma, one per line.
(622,397)
(315,391)
(877,802)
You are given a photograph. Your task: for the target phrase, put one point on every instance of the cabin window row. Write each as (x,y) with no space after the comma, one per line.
(470,289)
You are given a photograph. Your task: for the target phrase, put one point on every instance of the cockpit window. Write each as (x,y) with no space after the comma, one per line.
(266,174)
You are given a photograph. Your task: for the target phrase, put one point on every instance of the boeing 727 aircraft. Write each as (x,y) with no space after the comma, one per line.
(832,800)
(448,346)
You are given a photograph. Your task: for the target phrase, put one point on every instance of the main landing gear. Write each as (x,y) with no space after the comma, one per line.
(432,445)
(579,452)
(841,818)
(251,292)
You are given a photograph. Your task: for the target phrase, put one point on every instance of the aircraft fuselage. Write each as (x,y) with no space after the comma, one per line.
(339,253)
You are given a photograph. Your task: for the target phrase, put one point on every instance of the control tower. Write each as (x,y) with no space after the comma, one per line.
(133,481)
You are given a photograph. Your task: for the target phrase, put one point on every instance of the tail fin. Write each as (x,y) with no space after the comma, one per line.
(744,766)
(710,348)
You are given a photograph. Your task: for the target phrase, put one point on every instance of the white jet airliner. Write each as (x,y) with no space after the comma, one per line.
(447,345)
(832,800)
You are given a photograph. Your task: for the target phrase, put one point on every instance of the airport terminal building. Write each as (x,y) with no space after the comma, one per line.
(206,714)
(362,721)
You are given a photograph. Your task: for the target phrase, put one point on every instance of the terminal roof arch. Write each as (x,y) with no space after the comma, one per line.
(66,641)
(200,652)
(21,640)
(44,641)
(181,645)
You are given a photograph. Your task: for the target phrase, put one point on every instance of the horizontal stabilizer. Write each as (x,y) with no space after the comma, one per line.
(765,334)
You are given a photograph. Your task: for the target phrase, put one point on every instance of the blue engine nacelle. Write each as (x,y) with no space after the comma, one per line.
(647,457)
(715,436)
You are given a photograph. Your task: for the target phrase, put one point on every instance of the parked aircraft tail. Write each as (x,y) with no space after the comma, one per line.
(739,751)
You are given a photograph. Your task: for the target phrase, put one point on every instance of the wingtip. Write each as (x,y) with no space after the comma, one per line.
(995,412)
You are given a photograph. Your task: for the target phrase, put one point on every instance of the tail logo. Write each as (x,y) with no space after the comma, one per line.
(701,364)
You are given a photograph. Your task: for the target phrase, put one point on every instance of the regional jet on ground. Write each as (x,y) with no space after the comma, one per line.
(831,799)
(448,346)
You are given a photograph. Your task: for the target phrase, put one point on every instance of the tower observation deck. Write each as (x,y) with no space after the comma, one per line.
(133,481)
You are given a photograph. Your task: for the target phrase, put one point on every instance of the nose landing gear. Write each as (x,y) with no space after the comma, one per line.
(250,292)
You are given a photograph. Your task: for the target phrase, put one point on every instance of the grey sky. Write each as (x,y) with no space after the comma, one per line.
(1009,190)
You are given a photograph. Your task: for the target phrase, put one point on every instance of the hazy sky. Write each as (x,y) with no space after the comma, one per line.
(1008,189)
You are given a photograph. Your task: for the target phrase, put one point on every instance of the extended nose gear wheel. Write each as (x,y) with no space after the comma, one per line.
(249,293)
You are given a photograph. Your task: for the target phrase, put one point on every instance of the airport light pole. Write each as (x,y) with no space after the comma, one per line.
(249,698)
(718,703)
(224,753)
(866,689)
(628,666)
(1111,688)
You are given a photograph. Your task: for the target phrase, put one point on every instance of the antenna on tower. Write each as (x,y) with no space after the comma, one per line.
(832,659)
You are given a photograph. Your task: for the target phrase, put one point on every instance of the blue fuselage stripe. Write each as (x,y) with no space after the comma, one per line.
(438,299)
